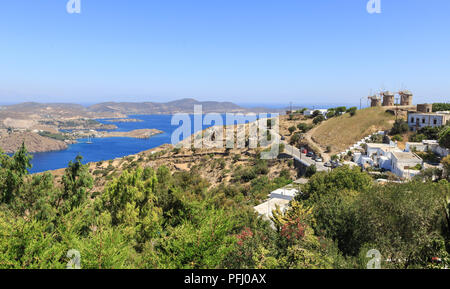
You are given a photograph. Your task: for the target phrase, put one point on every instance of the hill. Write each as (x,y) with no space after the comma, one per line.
(29,113)
(178,106)
(34,143)
(341,132)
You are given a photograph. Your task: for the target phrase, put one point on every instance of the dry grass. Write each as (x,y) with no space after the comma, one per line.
(344,131)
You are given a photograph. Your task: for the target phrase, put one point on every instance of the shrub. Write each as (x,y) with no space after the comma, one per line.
(292,129)
(318,119)
(352,110)
(310,171)
(397,137)
(400,127)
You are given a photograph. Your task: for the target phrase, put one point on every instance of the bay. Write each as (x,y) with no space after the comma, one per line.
(102,149)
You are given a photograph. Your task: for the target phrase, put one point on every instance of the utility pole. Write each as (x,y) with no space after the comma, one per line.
(396,108)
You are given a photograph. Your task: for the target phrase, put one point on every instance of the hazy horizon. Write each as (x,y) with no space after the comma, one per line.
(241,104)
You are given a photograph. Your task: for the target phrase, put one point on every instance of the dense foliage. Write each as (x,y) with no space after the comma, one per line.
(153,218)
(441,107)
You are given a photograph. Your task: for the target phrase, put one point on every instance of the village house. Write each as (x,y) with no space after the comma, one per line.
(427,145)
(310,112)
(377,155)
(390,158)
(418,120)
(278,198)
(403,164)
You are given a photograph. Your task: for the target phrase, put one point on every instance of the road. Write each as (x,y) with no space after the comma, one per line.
(295,153)
(307,161)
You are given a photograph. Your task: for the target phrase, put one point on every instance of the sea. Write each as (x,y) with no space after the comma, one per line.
(101,149)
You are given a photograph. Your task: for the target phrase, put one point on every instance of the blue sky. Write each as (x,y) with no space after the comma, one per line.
(245,51)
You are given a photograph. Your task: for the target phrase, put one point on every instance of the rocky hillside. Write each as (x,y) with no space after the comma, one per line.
(33,142)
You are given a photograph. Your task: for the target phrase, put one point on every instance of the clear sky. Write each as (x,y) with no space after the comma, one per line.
(245,51)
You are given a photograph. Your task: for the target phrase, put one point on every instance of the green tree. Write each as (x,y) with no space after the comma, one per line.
(316,113)
(303,127)
(340,110)
(446,164)
(352,110)
(76,182)
(403,221)
(331,113)
(342,178)
(131,201)
(400,127)
(310,171)
(12,172)
(201,241)
(444,137)
(441,107)
(292,129)
(318,119)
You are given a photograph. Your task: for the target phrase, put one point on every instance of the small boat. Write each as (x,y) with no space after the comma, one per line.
(89,140)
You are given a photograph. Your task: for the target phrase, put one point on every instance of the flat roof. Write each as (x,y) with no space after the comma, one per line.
(428,113)
(406,156)
(380,145)
(268,206)
(290,192)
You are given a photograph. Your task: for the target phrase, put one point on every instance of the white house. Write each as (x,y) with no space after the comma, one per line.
(427,145)
(310,112)
(403,164)
(284,193)
(280,197)
(418,120)
(379,155)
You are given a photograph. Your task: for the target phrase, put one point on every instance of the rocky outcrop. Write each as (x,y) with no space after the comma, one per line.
(34,143)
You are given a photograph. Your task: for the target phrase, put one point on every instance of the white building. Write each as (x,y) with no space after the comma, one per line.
(418,120)
(403,164)
(380,149)
(380,155)
(427,145)
(280,197)
(310,112)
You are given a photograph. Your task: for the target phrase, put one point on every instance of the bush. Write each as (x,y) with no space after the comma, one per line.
(444,137)
(397,138)
(400,127)
(310,171)
(352,110)
(292,129)
(331,113)
(417,137)
(441,107)
(281,148)
(318,119)
(295,138)
(303,127)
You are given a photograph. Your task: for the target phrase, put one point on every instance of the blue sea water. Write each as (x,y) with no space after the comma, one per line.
(109,148)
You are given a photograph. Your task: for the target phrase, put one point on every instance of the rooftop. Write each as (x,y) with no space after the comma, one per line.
(406,156)
(379,145)
(265,209)
(440,113)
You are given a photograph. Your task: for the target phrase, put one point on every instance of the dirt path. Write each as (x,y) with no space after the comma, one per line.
(308,137)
